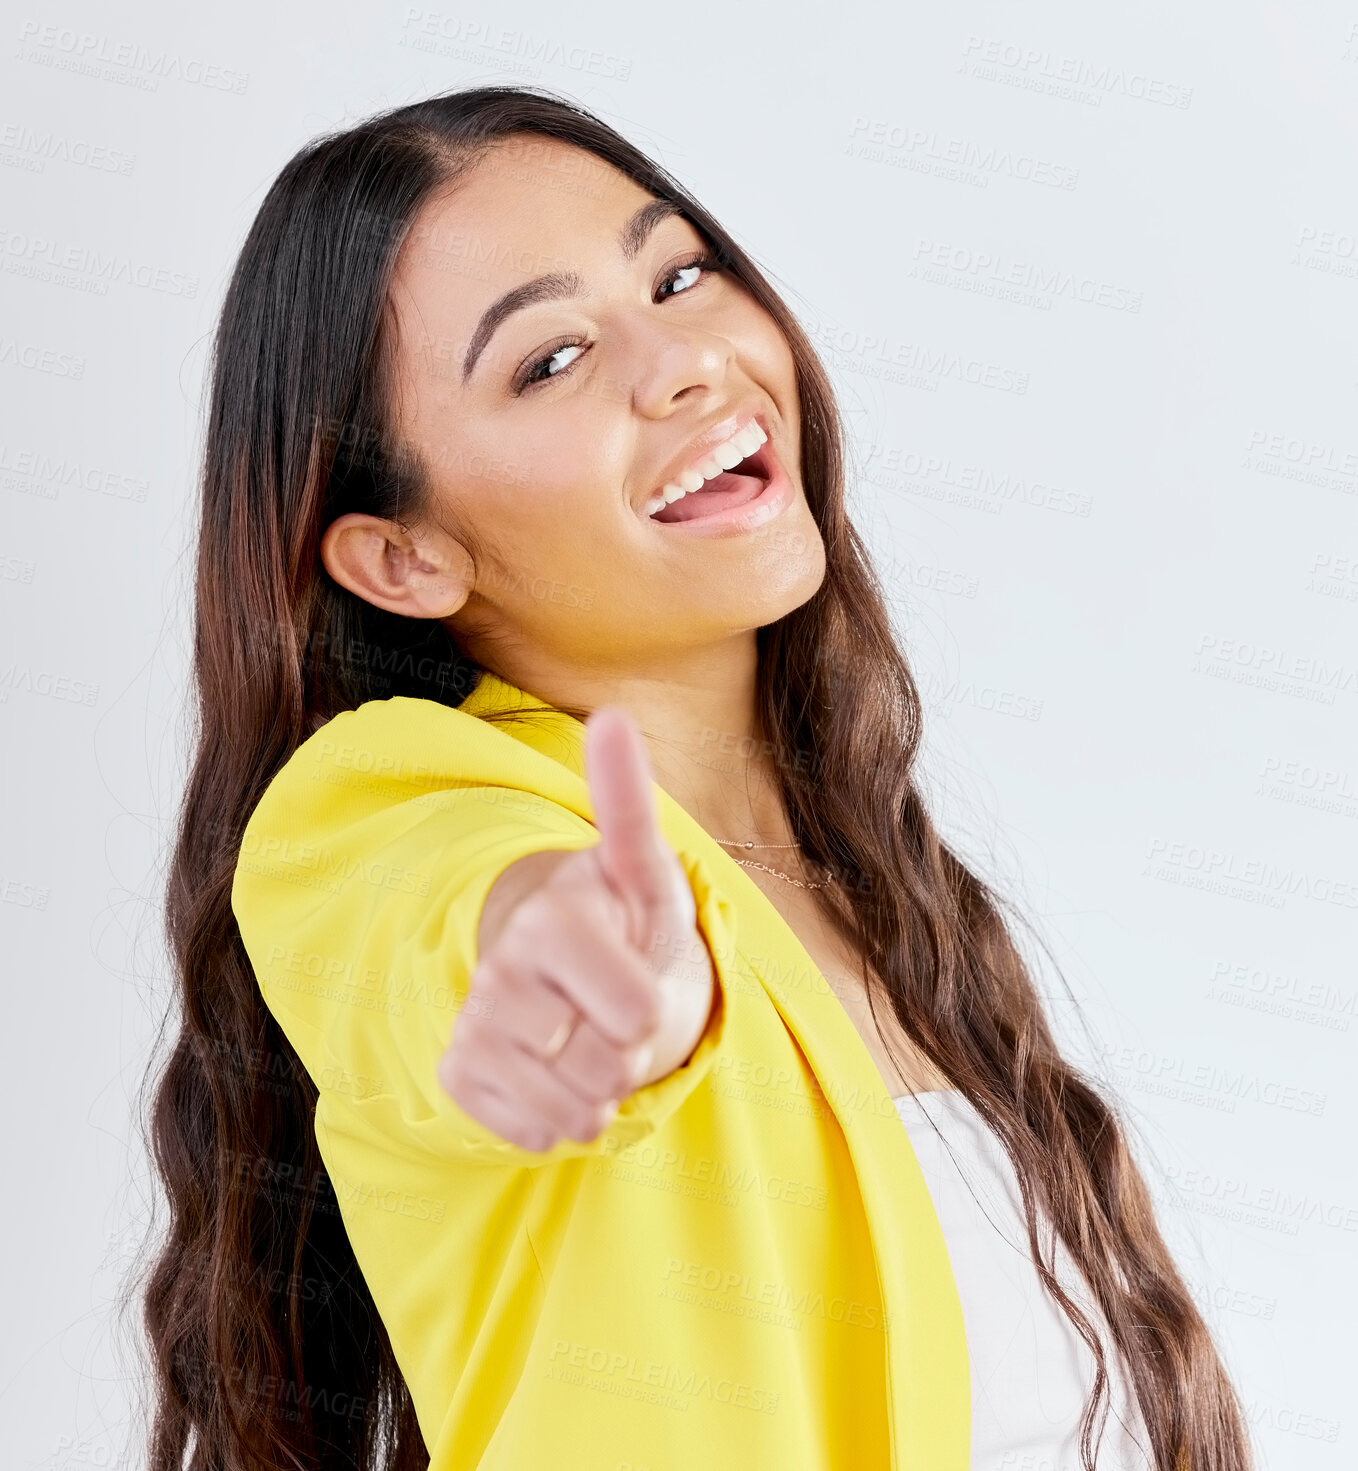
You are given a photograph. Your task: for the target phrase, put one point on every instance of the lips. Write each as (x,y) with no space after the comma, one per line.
(722,447)
(734,487)
(758,491)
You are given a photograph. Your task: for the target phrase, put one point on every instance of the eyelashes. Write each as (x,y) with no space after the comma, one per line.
(526,378)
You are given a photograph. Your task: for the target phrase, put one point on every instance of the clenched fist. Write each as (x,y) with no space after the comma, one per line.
(593,979)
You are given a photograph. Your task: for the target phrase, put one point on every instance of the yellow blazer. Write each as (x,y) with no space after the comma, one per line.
(744,1270)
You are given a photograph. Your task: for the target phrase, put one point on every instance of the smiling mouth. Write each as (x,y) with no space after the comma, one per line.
(726,489)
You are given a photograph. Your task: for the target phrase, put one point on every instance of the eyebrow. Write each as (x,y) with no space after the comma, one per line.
(559,284)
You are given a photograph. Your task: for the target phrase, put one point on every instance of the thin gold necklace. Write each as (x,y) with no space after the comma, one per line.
(764,867)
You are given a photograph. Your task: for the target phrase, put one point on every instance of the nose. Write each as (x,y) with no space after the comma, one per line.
(674,363)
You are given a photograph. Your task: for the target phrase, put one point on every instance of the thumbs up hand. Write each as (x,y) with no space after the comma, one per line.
(593,978)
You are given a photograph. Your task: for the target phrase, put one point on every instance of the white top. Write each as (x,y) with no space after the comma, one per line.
(1031,1372)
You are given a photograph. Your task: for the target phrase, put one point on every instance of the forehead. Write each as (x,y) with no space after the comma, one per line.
(528,206)
(528,178)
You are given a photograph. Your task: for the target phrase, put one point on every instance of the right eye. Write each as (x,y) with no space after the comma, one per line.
(527,376)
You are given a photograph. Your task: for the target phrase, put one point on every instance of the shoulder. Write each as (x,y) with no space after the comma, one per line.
(396,749)
(401,775)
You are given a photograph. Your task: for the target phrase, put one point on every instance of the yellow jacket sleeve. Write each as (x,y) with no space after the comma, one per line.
(359,913)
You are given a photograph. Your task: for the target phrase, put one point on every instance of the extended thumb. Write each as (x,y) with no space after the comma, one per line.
(633,853)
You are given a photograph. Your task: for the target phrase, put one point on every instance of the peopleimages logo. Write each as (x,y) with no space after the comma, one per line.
(1256,988)
(878,356)
(1302,676)
(51,259)
(941,260)
(1271,1207)
(38,147)
(995,59)
(1309,784)
(979,487)
(1294,457)
(1254,879)
(67,49)
(1213,1084)
(41,359)
(926,148)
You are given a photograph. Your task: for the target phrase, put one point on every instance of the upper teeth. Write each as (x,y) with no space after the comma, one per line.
(723,457)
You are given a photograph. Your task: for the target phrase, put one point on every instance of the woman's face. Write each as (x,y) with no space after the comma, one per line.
(549,415)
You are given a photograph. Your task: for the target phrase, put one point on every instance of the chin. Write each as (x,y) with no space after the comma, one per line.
(783,570)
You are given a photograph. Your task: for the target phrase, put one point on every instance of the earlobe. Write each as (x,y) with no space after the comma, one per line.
(449,582)
(417,576)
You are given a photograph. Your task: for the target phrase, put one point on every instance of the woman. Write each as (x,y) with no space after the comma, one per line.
(526,1109)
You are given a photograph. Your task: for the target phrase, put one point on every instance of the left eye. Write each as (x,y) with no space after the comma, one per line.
(693,270)
(546,362)
(689,273)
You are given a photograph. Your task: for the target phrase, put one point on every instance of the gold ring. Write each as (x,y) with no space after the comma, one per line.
(561,1036)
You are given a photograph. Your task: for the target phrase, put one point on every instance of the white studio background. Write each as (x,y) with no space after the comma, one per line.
(1087,278)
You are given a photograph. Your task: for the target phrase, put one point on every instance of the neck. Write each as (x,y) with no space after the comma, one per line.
(699,720)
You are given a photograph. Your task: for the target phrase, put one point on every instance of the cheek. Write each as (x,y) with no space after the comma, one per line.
(575,469)
(561,472)
(559,515)
(760,341)
(539,564)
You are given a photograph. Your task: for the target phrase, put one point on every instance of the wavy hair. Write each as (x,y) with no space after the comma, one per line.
(267,1351)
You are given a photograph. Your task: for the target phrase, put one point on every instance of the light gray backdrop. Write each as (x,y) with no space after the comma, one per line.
(1087,277)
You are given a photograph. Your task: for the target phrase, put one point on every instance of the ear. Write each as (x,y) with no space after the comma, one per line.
(420,574)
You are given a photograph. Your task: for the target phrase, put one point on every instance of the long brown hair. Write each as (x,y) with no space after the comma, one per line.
(266,1349)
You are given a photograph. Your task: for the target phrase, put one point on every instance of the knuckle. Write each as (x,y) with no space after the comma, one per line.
(462,1087)
(589,1122)
(531,1134)
(475,1030)
(486,982)
(478,1006)
(613,1078)
(465,1089)
(631,1066)
(516,962)
(474,1018)
(533,918)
